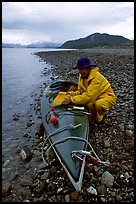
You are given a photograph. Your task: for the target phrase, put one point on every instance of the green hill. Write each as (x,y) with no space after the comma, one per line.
(97,40)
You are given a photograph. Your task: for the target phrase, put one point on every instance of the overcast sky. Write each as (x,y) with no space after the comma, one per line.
(26,22)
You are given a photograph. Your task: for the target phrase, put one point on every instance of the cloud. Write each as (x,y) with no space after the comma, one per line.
(62,21)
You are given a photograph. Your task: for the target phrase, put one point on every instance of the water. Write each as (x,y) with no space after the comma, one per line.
(21,78)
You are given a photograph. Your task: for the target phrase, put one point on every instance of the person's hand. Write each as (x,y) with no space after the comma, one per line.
(73,88)
(67,101)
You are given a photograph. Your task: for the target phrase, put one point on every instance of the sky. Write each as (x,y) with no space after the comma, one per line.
(27,22)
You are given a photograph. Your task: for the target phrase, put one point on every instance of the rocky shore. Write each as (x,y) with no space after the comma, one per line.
(112,140)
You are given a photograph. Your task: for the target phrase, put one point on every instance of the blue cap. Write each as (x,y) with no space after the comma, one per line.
(83,63)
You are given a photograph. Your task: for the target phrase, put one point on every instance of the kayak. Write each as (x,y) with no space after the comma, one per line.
(67,129)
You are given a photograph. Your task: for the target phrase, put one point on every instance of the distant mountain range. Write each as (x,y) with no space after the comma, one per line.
(32,45)
(97,40)
(93,40)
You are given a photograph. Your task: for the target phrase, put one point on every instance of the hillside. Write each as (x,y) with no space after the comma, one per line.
(97,40)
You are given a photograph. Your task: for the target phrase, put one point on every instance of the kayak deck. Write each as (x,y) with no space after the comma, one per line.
(69,134)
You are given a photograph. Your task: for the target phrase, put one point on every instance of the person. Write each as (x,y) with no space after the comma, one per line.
(94,91)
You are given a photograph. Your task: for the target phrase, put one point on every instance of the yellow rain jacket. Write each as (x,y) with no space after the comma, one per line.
(94,92)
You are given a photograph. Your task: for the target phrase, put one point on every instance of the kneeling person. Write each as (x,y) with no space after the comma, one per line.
(94,91)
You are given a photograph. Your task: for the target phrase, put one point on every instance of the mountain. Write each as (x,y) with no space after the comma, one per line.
(11,45)
(96,40)
(32,45)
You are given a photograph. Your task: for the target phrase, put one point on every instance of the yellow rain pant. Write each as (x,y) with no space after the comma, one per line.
(101,105)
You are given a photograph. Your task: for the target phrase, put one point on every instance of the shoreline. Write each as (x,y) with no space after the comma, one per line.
(116,130)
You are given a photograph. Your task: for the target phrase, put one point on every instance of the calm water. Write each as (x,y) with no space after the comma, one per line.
(21,78)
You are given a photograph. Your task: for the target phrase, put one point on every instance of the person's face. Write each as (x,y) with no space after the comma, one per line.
(84,72)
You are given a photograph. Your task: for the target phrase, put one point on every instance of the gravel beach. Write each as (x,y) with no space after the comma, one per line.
(112,140)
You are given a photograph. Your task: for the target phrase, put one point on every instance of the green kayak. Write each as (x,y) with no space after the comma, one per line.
(66,129)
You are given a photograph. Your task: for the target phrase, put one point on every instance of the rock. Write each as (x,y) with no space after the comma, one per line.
(40,130)
(102,190)
(26,200)
(107,179)
(6,163)
(92,190)
(118,198)
(106,142)
(25,192)
(121,126)
(26,153)
(42,165)
(130,127)
(6,189)
(128,134)
(74,196)
(129,146)
(67,198)
(26,180)
(45,176)
(16,117)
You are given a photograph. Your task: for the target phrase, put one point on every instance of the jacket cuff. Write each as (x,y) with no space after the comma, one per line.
(72,99)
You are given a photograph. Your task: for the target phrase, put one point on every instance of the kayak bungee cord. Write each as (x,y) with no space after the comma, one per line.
(73,153)
(54,133)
